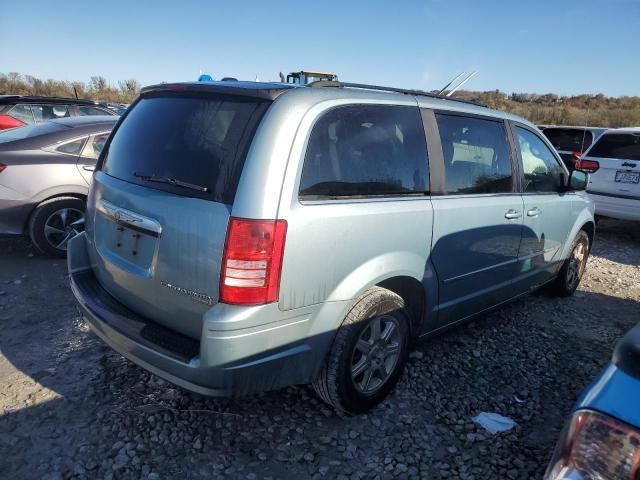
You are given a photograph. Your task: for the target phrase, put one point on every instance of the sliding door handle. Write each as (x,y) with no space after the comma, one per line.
(534,212)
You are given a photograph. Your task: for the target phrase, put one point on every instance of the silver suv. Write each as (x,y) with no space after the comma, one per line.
(242,237)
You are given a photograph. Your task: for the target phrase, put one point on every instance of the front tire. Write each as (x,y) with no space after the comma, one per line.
(54,223)
(368,354)
(573,268)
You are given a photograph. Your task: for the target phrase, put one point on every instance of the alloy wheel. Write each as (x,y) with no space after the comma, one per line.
(376,354)
(62,225)
(577,263)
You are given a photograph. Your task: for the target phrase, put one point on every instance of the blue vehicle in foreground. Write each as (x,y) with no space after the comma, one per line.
(602,438)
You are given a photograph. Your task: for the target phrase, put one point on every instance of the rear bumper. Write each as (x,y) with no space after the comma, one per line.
(224,361)
(616,207)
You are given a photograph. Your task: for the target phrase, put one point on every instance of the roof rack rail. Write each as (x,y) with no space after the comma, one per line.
(327,84)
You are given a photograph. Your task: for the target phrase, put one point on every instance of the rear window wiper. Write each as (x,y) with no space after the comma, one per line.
(171,181)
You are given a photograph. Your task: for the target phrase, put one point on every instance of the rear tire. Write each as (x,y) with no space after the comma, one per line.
(368,354)
(573,268)
(55,222)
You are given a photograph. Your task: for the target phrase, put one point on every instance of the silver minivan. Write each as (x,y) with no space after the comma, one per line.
(243,236)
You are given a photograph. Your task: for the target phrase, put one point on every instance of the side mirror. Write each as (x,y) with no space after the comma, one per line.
(578,180)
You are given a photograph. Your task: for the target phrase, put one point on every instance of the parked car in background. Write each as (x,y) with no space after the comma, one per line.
(45,171)
(19,110)
(571,142)
(614,166)
(252,236)
(602,437)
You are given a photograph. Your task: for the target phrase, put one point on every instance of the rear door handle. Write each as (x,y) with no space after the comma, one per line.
(89,168)
(534,212)
(511,214)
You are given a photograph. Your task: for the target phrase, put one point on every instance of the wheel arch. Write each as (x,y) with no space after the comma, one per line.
(40,201)
(412,292)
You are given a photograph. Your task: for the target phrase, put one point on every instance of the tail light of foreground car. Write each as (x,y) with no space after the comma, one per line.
(252,261)
(594,446)
(588,166)
(7,121)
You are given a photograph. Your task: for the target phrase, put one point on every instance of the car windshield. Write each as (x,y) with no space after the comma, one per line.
(29,131)
(569,139)
(623,146)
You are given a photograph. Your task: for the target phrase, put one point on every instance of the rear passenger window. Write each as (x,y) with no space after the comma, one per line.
(22,113)
(73,147)
(476,155)
(542,172)
(366,150)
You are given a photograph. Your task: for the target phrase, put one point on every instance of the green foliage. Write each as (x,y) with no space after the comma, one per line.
(97,89)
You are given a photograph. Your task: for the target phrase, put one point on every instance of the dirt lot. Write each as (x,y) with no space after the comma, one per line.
(71,408)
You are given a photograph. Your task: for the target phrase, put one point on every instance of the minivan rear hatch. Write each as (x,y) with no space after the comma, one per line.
(161,200)
(618,157)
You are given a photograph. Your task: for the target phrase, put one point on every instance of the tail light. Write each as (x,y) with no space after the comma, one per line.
(576,155)
(252,261)
(588,166)
(2,167)
(7,121)
(596,446)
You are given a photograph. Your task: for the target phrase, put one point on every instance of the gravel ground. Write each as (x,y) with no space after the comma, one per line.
(72,408)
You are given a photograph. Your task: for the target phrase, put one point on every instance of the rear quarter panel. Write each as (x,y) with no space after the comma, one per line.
(337,249)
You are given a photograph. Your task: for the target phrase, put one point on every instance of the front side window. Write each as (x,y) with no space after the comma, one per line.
(49,112)
(366,150)
(476,155)
(95,145)
(623,146)
(542,172)
(22,113)
(73,147)
(84,111)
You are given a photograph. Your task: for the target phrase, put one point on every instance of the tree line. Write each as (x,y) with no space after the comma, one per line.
(97,88)
(592,110)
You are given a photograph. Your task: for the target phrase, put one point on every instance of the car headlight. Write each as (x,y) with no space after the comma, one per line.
(594,446)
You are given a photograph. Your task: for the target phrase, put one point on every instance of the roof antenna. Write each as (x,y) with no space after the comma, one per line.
(441,91)
(467,78)
(75,91)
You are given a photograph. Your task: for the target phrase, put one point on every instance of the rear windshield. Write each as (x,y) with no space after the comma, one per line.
(569,139)
(624,146)
(193,139)
(29,131)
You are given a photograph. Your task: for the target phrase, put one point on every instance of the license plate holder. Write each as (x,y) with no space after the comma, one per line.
(627,177)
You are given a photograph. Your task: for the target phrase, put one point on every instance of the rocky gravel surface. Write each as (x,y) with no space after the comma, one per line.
(72,408)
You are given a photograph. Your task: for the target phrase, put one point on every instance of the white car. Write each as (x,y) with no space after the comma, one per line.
(613,162)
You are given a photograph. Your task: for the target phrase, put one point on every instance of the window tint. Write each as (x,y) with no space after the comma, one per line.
(49,112)
(22,113)
(29,131)
(192,138)
(73,147)
(569,139)
(624,146)
(83,110)
(95,145)
(476,155)
(542,172)
(363,150)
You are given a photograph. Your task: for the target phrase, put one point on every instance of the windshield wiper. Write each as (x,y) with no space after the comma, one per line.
(171,181)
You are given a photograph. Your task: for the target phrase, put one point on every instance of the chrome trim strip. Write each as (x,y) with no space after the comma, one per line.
(127,218)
